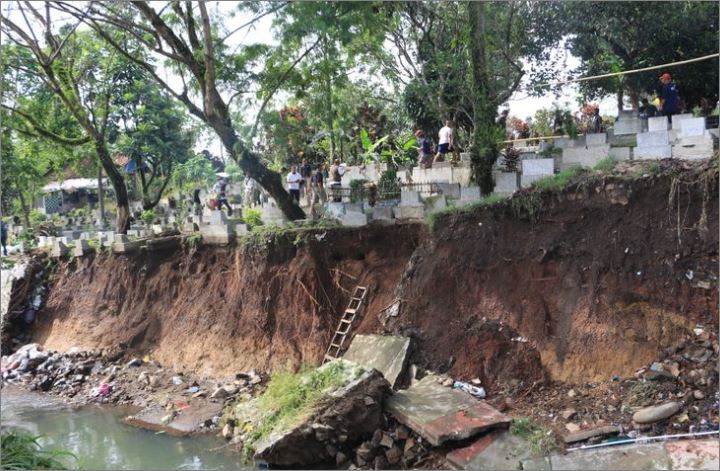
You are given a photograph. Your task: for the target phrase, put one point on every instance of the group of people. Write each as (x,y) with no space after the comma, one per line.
(309,181)
(446,144)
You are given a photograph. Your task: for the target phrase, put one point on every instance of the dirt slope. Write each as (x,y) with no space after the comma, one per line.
(597,278)
(221,311)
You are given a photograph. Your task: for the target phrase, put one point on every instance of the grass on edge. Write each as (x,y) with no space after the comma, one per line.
(489,200)
(556,182)
(292,396)
(541,441)
(21,450)
(605,165)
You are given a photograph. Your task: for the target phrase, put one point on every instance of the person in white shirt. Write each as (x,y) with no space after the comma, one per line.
(293,180)
(445,141)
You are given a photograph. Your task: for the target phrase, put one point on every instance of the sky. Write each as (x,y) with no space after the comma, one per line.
(520,104)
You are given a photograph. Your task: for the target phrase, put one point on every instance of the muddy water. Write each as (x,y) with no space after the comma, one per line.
(100,441)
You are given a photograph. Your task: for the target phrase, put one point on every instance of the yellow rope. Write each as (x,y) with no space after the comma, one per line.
(633,71)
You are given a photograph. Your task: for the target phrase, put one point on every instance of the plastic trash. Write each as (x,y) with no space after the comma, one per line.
(476,391)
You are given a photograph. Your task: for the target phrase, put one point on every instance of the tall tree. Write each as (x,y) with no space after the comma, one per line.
(190,40)
(80,74)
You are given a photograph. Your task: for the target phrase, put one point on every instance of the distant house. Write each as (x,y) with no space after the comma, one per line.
(62,197)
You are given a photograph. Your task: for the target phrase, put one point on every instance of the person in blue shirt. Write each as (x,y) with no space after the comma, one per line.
(669,98)
(3,237)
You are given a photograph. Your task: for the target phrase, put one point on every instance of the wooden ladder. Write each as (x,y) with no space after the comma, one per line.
(346,321)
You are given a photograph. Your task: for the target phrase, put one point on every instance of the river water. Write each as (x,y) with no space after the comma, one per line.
(100,441)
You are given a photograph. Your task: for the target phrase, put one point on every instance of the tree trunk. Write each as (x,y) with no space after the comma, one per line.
(118,182)
(634,99)
(101,199)
(484,150)
(25,209)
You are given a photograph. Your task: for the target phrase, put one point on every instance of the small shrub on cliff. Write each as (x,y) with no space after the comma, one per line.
(21,450)
(561,180)
(252,217)
(541,441)
(605,165)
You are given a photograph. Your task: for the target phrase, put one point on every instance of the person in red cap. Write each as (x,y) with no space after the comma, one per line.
(669,98)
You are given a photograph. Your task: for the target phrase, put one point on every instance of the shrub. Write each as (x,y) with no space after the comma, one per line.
(21,450)
(252,217)
(36,217)
(357,190)
(605,165)
(148,216)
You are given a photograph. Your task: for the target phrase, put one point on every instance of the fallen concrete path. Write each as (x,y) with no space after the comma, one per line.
(672,455)
(440,414)
(185,421)
(385,353)
(498,449)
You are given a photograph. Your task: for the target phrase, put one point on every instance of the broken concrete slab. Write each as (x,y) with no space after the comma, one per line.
(649,456)
(496,450)
(694,454)
(385,353)
(353,409)
(440,414)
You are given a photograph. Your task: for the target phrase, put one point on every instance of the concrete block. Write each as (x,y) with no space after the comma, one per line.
(498,449)
(409,212)
(693,148)
(408,198)
(527,180)
(81,248)
(241,229)
(440,414)
(354,219)
(506,182)
(647,456)
(384,213)
(592,140)
(652,152)
(692,127)
(465,156)
(538,167)
(218,217)
(450,190)
(658,123)
(654,138)
(120,238)
(620,153)
(470,193)
(584,157)
(630,126)
(42,240)
(354,207)
(676,120)
(461,174)
(59,249)
(133,233)
(436,203)
(560,143)
(385,353)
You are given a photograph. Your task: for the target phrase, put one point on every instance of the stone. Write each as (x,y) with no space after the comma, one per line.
(653,138)
(441,414)
(219,393)
(579,436)
(470,193)
(697,394)
(409,212)
(393,455)
(227,431)
(648,456)
(572,428)
(653,152)
(341,458)
(693,454)
(572,393)
(568,414)
(498,449)
(538,167)
(654,414)
(59,249)
(409,198)
(658,123)
(692,127)
(450,190)
(135,362)
(597,139)
(620,153)
(354,219)
(386,441)
(506,183)
(382,214)
(81,248)
(385,353)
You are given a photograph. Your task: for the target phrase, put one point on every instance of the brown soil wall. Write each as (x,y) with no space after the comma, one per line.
(221,311)
(595,278)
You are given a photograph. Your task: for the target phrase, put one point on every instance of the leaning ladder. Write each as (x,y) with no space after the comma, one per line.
(346,321)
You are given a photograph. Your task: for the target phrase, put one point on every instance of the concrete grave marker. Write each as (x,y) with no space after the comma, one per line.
(382,213)
(692,127)
(658,123)
(409,198)
(470,193)
(450,190)
(653,152)
(538,167)
(354,219)
(597,139)
(81,248)
(59,249)
(652,138)
(385,353)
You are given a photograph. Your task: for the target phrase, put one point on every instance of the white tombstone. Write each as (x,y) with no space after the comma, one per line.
(354,219)
(653,152)
(506,182)
(538,167)
(598,139)
(653,138)
(692,127)
(470,193)
(382,213)
(408,198)
(658,123)
(620,153)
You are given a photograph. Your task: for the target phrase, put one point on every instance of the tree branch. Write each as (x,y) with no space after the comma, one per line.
(37,128)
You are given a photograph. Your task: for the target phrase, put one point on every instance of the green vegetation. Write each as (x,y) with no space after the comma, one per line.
(252,217)
(556,182)
(36,217)
(291,397)
(606,165)
(490,200)
(193,241)
(21,450)
(541,441)
(148,216)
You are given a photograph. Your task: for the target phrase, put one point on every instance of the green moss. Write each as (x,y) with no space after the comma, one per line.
(292,397)
(541,441)
(21,450)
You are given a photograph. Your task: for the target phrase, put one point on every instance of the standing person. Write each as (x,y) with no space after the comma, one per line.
(647,110)
(197,203)
(669,98)
(317,186)
(424,150)
(336,173)
(596,121)
(294,180)
(445,141)
(501,121)
(250,198)
(306,174)
(220,189)
(3,237)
